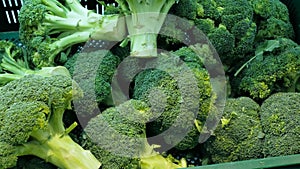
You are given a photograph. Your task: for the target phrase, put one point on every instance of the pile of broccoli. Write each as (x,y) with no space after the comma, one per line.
(149,84)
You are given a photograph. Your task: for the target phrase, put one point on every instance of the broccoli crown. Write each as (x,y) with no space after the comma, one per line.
(274,28)
(236,27)
(177,86)
(93,72)
(278,114)
(118,137)
(108,159)
(31,120)
(239,134)
(273,70)
(222,39)
(186,8)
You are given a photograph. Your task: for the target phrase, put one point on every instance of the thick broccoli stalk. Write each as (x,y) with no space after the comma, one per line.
(120,133)
(62,24)
(144,19)
(278,118)
(32,123)
(239,134)
(14,64)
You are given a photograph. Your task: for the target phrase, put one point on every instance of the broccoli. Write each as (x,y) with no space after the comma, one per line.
(15,65)
(274,28)
(178,87)
(270,8)
(186,8)
(144,19)
(48,28)
(235,27)
(119,135)
(93,71)
(31,123)
(222,39)
(279,118)
(274,68)
(239,134)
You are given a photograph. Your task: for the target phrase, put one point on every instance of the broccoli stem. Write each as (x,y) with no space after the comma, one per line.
(7,77)
(158,161)
(61,151)
(144,45)
(144,18)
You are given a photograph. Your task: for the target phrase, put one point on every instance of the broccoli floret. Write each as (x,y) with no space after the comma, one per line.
(144,19)
(205,25)
(174,33)
(119,135)
(14,64)
(186,8)
(274,68)
(279,114)
(222,40)
(50,27)
(274,28)
(270,8)
(233,11)
(209,9)
(239,135)
(177,86)
(93,72)
(31,123)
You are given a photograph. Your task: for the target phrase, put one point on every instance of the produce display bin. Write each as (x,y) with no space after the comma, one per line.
(9,10)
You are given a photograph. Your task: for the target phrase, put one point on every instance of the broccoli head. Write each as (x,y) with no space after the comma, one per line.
(118,137)
(178,87)
(93,72)
(279,118)
(274,68)
(239,134)
(31,120)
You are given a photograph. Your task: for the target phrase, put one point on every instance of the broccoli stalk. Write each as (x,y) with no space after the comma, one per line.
(68,16)
(15,66)
(59,150)
(144,19)
(32,124)
(62,24)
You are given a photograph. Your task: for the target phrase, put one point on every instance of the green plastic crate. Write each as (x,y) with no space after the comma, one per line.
(10,9)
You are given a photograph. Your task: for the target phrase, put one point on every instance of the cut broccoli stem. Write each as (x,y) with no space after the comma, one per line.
(144,18)
(61,151)
(7,77)
(144,45)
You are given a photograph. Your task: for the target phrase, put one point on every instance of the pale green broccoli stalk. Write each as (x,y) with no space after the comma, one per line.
(144,19)
(31,123)
(59,25)
(14,64)
(279,118)
(119,136)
